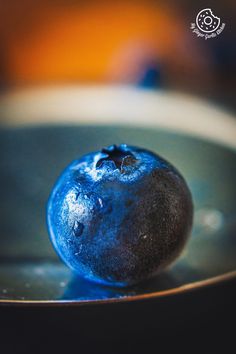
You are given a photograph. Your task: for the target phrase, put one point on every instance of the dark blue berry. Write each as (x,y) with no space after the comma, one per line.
(119,215)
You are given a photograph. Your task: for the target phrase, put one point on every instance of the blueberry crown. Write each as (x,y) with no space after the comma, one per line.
(119,155)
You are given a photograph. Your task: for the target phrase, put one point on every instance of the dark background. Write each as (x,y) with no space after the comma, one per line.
(202,321)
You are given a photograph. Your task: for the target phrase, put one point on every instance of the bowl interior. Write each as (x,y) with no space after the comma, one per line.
(32,158)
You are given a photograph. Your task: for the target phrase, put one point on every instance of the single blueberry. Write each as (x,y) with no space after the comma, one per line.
(119,215)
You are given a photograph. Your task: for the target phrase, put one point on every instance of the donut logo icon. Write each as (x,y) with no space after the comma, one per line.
(206,21)
(207,25)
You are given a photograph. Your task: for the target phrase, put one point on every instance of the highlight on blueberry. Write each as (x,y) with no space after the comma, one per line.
(120,215)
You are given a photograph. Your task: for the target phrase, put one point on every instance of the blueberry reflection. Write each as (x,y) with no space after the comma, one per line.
(79,289)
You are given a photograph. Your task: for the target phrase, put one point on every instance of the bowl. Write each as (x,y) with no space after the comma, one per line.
(43,130)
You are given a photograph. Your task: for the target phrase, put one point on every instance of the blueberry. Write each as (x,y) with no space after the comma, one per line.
(119,215)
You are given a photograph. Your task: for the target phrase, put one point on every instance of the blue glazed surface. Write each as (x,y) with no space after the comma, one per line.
(31,269)
(119,215)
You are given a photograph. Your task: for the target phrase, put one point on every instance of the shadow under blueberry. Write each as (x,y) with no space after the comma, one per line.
(82,289)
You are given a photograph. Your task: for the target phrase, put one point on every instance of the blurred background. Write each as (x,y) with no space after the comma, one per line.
(141,43)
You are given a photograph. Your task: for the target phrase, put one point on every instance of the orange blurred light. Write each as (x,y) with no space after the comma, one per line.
(83,42)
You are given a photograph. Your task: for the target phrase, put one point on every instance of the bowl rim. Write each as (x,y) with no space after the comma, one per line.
(118,105)
(186,288)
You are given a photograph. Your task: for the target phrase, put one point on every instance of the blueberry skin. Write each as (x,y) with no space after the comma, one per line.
(119,215)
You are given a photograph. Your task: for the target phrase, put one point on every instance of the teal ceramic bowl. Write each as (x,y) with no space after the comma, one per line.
(32,157)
